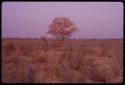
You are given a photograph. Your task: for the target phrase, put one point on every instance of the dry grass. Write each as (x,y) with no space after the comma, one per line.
(78,61)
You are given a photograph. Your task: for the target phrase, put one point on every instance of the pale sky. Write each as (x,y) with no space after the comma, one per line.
(93,19)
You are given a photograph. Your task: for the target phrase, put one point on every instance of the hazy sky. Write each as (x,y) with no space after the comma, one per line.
(93,19)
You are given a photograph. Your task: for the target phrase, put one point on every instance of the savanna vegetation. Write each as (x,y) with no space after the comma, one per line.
(73,61)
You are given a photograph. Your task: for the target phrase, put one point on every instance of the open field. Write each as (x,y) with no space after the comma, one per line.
(74,61)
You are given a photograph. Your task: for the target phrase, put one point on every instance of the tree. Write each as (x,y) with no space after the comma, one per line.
(61,28)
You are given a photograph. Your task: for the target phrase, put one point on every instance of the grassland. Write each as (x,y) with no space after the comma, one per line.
(74,61)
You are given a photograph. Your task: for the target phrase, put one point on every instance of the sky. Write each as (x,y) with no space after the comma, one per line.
(93,19)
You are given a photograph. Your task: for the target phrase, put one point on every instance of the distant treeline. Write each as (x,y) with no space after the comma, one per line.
(54,39)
